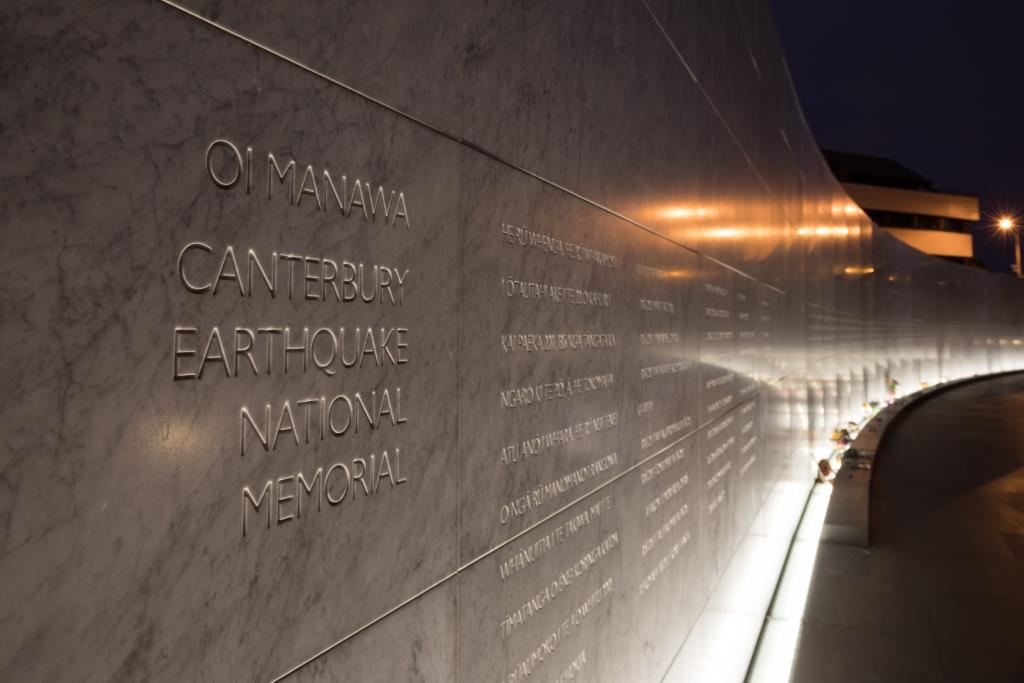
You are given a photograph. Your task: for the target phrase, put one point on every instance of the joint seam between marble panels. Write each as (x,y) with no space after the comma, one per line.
(462,141)
(503,544)
(631,468)
(705,423)
(461,284)
(739,272)
(571,503)
(800,110)
(477,149)
(818,378)
(295,62)
(362,628)
(707,97)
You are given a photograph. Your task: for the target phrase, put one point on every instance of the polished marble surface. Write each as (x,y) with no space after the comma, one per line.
(628,280)
(124,554)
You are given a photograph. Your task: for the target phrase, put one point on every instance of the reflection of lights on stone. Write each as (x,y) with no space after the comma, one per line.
(773,660)
(824,231)
(848,208)
(679,212)
(171,437)
(858,270)
(720,646)
(891,278)
(724,233)
(1016,342)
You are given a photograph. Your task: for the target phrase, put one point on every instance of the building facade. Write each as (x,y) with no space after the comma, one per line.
(907,205)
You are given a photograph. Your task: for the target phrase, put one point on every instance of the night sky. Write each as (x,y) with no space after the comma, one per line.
(936,86)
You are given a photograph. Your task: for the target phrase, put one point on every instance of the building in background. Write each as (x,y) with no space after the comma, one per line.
(907,205)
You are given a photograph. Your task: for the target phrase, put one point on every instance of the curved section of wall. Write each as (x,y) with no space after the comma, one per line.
(442,341)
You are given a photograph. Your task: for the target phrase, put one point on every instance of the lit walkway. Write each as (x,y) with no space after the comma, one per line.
(940,596)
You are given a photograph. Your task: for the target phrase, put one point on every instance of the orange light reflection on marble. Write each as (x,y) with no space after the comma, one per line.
(825,231)
(684,212)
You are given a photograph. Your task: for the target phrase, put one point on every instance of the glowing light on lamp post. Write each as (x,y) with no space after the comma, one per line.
(1007,223)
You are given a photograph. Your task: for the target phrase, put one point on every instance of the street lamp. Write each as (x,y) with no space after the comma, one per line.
(1006,223)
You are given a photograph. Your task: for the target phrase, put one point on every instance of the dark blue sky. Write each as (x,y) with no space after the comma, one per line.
(937,86)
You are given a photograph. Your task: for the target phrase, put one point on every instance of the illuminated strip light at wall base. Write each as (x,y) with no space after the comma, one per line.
(722,643)
(780,637)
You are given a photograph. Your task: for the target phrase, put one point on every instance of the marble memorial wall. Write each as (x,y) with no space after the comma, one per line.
(459,341)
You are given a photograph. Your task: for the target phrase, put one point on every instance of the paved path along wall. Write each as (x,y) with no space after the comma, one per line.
(428,341)
(940,596)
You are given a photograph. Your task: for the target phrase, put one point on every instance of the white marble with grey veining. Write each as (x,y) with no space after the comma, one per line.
(664,135)
(124,555)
